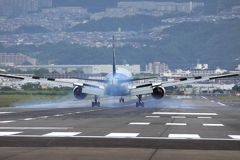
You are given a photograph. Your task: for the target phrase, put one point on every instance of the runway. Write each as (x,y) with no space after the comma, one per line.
(174,127)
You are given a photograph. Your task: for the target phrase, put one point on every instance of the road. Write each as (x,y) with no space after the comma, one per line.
(176,127)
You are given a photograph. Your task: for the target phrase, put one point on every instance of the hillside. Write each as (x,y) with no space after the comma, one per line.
(216,44)
(211,6)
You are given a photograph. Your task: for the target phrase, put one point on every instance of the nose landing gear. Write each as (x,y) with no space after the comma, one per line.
(121,100)
(95,103)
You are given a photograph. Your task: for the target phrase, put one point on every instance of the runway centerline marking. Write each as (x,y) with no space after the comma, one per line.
(8,133)
(176,124)
(193,136)
(122,135)
(203,117)
(139,123)
(178,117)
(61,134)
(214,125)
(179,113)
(152,116)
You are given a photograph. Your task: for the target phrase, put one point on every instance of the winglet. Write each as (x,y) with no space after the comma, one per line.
(114,59)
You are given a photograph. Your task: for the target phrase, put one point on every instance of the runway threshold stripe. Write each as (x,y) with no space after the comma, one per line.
(234,136)
(2,122)
(192,136)
(122,135)
(37,128)
(5,112)
(8,133)
(214,125)
(61,134)
(139,123)
(179,113)
(176,124)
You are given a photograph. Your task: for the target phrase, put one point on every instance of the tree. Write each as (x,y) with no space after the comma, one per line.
(40,72)
(31,86)
(7,88)
(236,88)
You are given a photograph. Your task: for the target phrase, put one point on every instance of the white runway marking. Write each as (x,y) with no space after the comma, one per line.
(58,115)
(216,125)
(122,135)
(8,133)
(38,128)
(212,101)
(176,124)
(234,136)
(179,113)
(204,97)
(184,97)
(43,117)
(139,123)
(6,121)
(29,119)
(183,136)
(221,104)
(178,117)
(204,117)
(61,134)
(152,116)
(5,112)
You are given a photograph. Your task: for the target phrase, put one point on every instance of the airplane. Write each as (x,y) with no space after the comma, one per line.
(118,83)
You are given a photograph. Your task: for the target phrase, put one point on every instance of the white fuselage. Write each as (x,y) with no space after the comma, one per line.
(114,86)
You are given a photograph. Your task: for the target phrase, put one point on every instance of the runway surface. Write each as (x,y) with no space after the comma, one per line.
(185,127)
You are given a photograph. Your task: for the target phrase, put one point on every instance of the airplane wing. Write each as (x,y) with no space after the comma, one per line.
(147,88)
(120,81)
(88,88)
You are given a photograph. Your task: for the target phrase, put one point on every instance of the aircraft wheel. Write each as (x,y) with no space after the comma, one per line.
(98,104)
(137,104)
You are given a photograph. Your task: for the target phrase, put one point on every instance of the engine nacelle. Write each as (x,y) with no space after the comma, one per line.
(77,92)
(158,92)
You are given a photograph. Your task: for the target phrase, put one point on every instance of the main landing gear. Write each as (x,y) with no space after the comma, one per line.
(95,103)
(121,100)
(139,103)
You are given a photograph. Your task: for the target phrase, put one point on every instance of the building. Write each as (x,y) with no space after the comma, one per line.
(162,6)
(87,69)
(9,7)
(156,68)
(77,10)
(16,59)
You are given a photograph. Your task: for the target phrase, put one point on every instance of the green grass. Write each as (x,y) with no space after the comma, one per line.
(230,97)
(8,100)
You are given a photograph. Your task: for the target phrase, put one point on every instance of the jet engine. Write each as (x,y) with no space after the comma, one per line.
(77,92)
(158,92)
